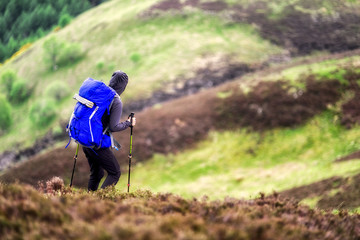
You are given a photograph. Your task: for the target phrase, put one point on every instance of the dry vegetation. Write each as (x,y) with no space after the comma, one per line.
(107,214)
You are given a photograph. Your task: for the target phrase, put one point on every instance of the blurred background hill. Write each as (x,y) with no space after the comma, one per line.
(232,98)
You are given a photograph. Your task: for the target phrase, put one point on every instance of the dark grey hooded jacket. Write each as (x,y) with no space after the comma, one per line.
(118,82)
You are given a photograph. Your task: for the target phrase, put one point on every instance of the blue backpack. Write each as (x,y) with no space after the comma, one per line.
(85,125)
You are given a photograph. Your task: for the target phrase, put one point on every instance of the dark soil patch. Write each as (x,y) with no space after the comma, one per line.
(351,109)
(352,156)
(320,188)
(277,104)
(347,196)
(303,32)
(178,6)
(302,28)
(10,157)
(216,6)
(167,5)
(205,78)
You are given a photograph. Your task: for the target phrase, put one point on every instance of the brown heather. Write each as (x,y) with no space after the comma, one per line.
(26,213)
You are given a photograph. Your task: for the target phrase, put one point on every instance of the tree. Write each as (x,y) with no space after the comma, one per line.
(20,92)
(21,19)
(64,20)
(2,28)
(3,51)
(12,45)
(50,17)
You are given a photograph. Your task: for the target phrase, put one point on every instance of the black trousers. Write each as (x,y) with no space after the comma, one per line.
(100,160)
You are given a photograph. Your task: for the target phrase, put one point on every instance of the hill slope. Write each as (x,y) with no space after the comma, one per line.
(294,119)
(294,140)
(152,50)
(160,42)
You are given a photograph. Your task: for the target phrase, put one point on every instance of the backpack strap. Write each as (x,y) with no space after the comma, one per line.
(68,126)
(114,144)
(116,95)
(68,129)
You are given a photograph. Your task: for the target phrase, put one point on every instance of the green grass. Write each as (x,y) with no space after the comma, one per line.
(152,51)
(242,164)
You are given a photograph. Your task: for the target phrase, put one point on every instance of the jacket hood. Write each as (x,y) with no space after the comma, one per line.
(118,81)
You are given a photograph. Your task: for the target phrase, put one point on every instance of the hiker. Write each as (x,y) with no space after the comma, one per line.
(103,158)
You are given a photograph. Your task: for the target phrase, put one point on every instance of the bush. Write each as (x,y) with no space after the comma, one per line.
(5,115)
(100,66)
(57,90)
(56,184)
(70,54)
(135,58)
(52,48)
(60,53)
(43,112)
(16,90)
(20,92)
(8,77)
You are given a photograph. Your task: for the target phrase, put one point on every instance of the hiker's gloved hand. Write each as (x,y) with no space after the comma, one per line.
(133,121)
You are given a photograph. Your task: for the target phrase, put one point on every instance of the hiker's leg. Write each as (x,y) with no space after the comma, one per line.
(109,163)
(96,172)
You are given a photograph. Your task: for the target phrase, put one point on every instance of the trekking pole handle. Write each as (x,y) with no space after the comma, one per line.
(131,117)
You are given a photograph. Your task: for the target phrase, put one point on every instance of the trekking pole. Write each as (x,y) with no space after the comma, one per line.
(130,152)
(75,157)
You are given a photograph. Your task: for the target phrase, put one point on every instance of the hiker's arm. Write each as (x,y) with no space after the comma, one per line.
(115,125)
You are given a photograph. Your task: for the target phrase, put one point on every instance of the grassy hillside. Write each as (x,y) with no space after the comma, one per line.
(152,50)
(63,214)
(304,125)
(241,164)
(158,42)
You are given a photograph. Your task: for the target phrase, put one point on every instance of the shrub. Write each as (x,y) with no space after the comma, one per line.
(20,92)
(135,57)
(8,77)
(5,115)
(60,53)
(57,90)
(43,112)
(57,131)
(52,48)
(70,54)
(56,184)
(100,66)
